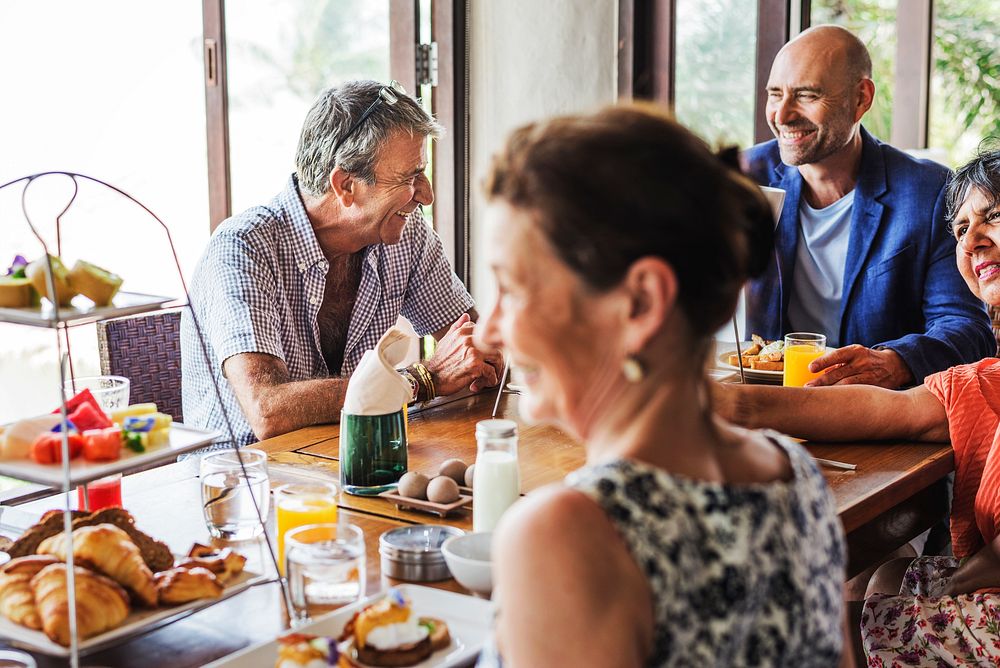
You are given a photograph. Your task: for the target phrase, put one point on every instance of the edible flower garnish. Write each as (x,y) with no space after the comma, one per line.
(396,597)
(16,269)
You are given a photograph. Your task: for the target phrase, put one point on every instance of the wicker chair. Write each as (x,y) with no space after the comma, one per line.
(995,317)
(145,349)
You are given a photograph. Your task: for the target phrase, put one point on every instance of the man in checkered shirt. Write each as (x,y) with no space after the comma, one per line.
(290,295)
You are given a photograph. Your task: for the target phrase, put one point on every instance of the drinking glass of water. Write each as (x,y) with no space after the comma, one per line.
(325,564)
(226,493)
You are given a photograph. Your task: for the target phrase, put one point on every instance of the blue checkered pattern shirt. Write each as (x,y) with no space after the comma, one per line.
(259,286)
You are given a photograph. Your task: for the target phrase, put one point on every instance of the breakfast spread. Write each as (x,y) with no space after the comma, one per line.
(388,633)
(116,567)
(90,432)
(26,281)
(762,355)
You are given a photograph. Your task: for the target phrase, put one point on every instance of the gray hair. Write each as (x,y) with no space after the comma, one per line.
(333,114)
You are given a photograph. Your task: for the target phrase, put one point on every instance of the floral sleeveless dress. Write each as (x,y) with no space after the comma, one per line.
(741,575)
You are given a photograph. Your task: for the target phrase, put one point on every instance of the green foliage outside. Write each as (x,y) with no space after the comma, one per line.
(874,21)
(716,42)
(965,86)
(715,82)
(965,92)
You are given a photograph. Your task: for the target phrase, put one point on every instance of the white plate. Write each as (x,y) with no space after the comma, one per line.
(469,621)
(139,621)
(722,362)
(182,439)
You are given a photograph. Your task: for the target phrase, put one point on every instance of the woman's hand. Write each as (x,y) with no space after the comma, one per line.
(980,571)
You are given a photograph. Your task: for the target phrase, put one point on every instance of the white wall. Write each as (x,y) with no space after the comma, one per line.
(530,60)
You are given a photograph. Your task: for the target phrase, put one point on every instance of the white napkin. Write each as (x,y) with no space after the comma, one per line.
(375,387)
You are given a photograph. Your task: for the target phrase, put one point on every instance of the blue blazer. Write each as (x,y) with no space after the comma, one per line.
(902,289)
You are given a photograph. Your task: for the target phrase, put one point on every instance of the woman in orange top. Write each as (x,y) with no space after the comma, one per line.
(929,611)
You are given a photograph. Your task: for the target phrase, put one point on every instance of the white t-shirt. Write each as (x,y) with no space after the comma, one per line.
(818,281)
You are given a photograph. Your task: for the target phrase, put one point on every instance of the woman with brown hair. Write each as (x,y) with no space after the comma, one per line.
(619,243)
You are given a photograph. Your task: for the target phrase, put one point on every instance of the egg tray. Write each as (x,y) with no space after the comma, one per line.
(423,505)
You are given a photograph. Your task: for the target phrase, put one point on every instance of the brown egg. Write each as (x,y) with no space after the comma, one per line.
(442,489)
(454,469)
(413,485)
(468,475)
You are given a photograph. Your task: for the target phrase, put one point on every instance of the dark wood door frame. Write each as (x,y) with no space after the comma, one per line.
(216,112)
(646,50)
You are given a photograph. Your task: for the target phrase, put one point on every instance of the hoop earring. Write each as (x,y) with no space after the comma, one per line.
(633,369)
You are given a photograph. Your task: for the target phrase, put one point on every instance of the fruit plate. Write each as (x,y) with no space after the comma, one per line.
(469,620)
(182,439)
(137,623)
(82,311)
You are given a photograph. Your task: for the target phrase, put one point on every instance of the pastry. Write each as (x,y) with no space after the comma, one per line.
(96,284)
(155,553)
(16,292)
(17,600)
(100,603)
(224,563)
(387,633)
(303,650)
(180,585)
(108,550)
(36,273)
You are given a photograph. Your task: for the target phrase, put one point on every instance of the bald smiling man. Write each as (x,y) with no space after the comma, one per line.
(863,253)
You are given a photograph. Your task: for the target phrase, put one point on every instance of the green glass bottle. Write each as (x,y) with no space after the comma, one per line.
(372,452)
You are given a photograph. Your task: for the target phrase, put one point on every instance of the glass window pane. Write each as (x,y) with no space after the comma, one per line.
(280,55)
(716,39)
(114,90)
(874,22)
(965,80)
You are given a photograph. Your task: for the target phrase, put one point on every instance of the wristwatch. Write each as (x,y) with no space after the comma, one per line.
(414,385)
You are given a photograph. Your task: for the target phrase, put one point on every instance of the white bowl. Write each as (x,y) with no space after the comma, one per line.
(468,559)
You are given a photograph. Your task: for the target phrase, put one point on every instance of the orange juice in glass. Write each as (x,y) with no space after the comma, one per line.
(801,348)
(299,504)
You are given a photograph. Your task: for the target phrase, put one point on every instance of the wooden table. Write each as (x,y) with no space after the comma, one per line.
(890,498)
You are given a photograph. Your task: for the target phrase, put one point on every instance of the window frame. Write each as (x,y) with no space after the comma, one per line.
(646,63)
(450,104)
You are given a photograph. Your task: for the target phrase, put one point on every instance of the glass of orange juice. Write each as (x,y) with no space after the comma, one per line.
(801,348)
(299,504)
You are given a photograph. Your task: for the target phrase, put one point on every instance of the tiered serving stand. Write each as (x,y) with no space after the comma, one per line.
(183,439)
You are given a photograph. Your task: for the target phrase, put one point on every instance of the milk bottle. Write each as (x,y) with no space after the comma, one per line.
(496,483)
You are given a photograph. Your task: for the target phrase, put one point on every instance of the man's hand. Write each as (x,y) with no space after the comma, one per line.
(857,365)
(457,362)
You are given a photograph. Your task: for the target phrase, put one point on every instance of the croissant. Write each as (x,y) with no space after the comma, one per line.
(17,601)
(225,563)
(180,585)
(108,550)
(100,603)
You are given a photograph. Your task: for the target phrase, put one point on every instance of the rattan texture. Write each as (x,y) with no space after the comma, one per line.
(145,349)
